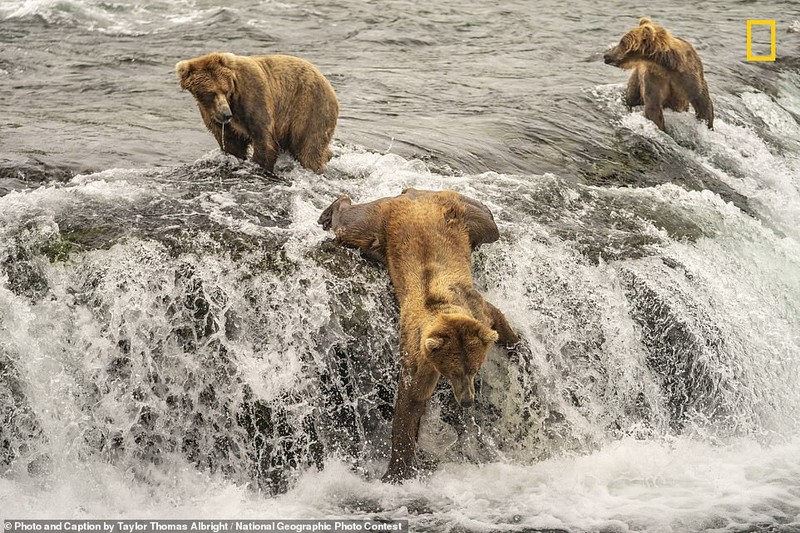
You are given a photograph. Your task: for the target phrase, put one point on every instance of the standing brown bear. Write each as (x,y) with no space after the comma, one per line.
(446,327)
(272,102)
(667,72)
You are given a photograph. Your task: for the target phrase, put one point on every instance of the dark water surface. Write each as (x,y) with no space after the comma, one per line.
(178,337)
(505,87)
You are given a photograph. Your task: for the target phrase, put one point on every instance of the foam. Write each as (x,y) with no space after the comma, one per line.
(103,17)
(552,459)
(629,485)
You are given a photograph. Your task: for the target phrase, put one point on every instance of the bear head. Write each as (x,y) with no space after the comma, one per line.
(646,42)
(457,345)
(211,79)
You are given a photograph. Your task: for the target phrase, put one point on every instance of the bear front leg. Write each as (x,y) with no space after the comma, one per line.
(506,336)
(655,93)
(234,145)
(633,93)
(654,111)
(414,390)
(265,153)
(228,141)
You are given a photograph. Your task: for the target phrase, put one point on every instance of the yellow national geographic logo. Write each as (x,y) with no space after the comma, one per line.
(750,24)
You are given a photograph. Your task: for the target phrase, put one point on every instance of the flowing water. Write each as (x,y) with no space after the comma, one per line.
(178,337)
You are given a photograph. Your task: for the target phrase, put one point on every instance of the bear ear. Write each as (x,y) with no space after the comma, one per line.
(226,59)
(488,335)
(644,20)
(183,68)
(432,343)
(648,32)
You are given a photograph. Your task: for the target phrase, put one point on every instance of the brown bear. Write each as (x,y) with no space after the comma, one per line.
(446,327)
(272,102)
(667,72)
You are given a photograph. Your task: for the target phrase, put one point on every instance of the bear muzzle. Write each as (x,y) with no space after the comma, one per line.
(464,390)
(610,59)
(223,115)
(222,110)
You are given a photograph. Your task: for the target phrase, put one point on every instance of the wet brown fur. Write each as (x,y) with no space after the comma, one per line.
(446,326)
(274,103)
(667,73)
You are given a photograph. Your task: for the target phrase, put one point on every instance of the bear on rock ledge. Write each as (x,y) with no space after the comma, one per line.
(667,72)
(272,102)
(446,326)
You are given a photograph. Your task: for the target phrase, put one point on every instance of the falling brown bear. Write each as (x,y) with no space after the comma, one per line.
(269,102)
(446,326)
(667,72)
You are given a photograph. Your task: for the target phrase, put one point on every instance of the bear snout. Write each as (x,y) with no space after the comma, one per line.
(224,115)
(614,55)
(464,391)
(222,111)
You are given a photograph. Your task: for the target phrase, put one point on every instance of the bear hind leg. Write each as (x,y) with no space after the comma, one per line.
(358,226)
(314,154)
(704,109)
(677,101)
(331,217)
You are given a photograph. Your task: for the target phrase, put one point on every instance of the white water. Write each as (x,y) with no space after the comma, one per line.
(630,485)
(583,438)
(738,285)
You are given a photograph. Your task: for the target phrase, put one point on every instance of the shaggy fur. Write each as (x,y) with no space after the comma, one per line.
(667,72)
(272,102)
(446,326)
(363,226)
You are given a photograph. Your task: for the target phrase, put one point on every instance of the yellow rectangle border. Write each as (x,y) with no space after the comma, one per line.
(771,24)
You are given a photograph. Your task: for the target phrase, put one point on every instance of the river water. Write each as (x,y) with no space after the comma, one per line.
(179,339)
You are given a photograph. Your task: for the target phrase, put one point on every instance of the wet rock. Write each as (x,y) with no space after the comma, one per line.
(681,341)
(21,433)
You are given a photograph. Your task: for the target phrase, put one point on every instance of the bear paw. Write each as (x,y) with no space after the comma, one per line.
(326,218)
